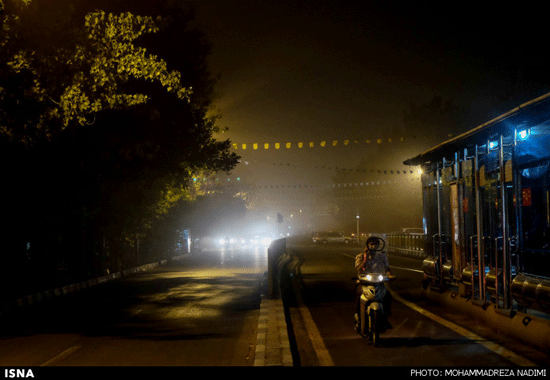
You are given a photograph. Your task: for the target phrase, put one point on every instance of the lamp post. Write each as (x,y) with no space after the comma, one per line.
(357,218)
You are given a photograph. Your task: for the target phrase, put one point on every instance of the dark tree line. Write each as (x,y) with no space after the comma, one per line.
(105,137)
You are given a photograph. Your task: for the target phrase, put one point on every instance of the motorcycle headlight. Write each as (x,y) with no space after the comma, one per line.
(374,277)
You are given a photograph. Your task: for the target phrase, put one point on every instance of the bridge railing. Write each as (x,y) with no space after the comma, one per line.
(406,244)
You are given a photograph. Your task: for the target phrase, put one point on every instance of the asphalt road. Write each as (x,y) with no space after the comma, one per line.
(201,310)
(423,334)
(204,310)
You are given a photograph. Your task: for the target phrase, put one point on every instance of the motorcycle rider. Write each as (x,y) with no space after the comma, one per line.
(373,260)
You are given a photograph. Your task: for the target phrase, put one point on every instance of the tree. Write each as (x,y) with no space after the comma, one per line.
(71,84)
(103,138)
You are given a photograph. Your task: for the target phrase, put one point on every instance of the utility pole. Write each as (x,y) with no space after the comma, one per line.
(358,236)
(279,221)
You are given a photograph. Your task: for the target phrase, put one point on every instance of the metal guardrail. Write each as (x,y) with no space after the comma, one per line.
(275,254)
(406,244)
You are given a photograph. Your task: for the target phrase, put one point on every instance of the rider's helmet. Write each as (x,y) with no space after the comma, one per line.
(374,243)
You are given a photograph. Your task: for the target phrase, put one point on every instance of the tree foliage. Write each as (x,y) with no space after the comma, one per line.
(103,135)
(71,84)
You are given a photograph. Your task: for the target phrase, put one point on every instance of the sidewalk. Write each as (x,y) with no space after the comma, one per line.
(272,344)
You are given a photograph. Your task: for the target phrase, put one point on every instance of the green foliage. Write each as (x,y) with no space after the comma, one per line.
(103,136)
(89,76)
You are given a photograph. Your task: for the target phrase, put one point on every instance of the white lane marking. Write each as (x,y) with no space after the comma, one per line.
(513,357)
(311,328)
(61,356)
(315,337)
(407,269)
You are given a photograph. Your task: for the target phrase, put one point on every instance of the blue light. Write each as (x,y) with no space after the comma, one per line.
(523,134)
(493,144)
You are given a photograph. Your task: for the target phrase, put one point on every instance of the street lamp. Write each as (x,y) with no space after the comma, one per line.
(357,218)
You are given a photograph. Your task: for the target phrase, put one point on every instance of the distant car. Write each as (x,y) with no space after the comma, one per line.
(258,241)
(331,238)
(227,241)
(248,241)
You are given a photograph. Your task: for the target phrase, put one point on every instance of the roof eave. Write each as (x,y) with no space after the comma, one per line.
(484,128)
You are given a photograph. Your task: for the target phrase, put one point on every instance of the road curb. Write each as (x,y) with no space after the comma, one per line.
(272,343)
(39,297)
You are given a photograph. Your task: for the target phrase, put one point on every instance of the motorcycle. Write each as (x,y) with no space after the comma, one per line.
(372,319)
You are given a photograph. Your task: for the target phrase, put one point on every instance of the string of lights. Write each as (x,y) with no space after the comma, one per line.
(403,173)
(308,186)
(313,144)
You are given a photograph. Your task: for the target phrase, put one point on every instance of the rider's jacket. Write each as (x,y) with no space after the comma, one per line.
(375,262)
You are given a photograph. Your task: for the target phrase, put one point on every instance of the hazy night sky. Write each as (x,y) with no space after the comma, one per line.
(322,70)
(318,70)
